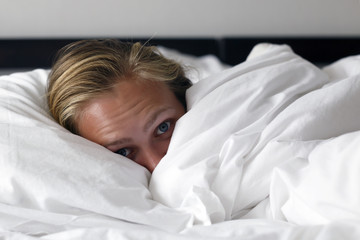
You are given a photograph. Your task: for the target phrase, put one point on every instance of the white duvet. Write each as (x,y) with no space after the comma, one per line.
(269,149)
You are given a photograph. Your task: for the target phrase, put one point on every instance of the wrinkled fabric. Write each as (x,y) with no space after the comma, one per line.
(267,150)
(253,143)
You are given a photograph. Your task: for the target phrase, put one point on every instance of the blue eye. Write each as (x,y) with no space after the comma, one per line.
(123,152)
(163,127)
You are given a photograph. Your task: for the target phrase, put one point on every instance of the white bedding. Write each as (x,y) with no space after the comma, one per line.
(268,150)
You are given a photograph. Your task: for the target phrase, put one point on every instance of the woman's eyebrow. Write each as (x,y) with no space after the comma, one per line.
(120,141)
(151,121)
(154,116)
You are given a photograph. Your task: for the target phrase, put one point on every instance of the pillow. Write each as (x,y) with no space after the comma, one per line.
(196,68)
(47,169)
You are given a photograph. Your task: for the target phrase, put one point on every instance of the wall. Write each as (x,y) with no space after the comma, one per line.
(178,18)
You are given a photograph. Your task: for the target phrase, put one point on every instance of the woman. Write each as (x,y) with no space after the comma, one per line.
(126,97)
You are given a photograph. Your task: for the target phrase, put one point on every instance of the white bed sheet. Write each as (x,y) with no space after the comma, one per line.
(255,164)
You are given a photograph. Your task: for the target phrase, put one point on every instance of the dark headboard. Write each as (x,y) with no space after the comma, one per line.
(315,49)
(39,53)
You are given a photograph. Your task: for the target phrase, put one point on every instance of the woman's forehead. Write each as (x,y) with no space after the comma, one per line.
(128,105)
(129,97)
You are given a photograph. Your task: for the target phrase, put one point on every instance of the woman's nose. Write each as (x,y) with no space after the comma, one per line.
(152,159)
(153,154)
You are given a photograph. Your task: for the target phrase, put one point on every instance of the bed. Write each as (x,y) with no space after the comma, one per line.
(268,149)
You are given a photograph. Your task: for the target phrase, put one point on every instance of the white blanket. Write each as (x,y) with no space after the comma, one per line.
(256,143)
(267,150)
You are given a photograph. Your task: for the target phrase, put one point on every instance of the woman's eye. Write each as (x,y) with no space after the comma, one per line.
(163,127)
(123,151)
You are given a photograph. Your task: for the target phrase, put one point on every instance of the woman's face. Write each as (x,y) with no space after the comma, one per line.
(135,120)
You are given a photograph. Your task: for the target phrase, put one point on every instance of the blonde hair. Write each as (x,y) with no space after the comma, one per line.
(86,69)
